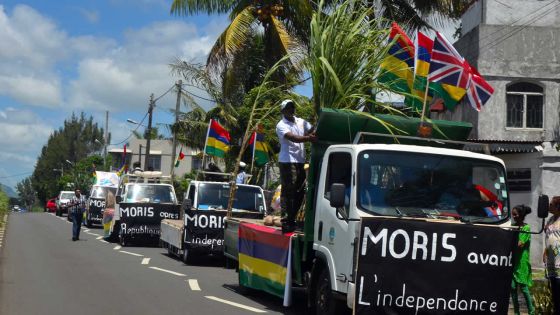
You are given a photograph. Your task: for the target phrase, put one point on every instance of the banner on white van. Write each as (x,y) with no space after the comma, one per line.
(107,179)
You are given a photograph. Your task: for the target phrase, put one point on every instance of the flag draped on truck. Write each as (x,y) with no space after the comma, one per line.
(265,260)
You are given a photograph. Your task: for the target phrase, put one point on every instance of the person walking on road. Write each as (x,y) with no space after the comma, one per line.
(78,206)
(521,260)
(551,256)
(292,133)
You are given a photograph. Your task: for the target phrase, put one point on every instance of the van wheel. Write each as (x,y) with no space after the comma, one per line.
(88,223)
(324,302)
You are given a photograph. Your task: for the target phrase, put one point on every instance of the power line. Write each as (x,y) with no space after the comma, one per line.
(130,135)
(197,96)
(169,90)
(504,27)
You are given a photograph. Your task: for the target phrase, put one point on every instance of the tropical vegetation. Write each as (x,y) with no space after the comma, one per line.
(65,149)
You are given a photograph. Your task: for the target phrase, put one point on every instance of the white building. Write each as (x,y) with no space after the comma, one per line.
(160,158)
(515,45)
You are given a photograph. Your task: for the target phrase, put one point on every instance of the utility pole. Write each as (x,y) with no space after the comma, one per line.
(106,139)
(178,85)
(149,130)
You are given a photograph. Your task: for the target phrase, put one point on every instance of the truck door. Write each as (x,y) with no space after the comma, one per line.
(333,236)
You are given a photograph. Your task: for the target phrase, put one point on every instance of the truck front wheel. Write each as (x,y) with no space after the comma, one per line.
(187,257)
(325,304)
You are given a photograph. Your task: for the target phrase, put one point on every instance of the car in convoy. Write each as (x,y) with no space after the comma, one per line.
(51,205)
(63,202)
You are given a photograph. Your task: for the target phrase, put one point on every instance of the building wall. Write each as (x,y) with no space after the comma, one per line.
(508,42)
(162,148)
(530,198)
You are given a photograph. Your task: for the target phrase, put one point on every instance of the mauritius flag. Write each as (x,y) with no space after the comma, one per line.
(217,140)
(397,67)
(259,148)
(423,56)
(265,260)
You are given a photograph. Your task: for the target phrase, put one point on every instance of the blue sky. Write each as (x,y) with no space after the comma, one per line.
(59,57)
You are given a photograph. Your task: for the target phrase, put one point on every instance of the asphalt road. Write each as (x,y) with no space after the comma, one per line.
(43,272)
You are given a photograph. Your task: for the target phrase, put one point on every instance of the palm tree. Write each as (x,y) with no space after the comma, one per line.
(283,24)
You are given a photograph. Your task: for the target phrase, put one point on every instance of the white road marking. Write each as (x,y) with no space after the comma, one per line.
(169,271)
(249,308)
(104,241)
(99,237)
(129,253)
(145,261)
(117,247)
(193,283)
(86,230)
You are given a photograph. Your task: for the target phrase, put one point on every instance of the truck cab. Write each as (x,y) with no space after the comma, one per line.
(143,200)
(402,182)
(201,232)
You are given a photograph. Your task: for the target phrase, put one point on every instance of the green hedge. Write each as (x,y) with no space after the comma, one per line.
(4,206)
(542,297)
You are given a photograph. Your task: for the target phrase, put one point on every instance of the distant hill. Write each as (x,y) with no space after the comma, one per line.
(9,191)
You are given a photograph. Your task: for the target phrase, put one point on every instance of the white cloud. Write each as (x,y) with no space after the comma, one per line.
(126,76)
(22,131)
(91,15)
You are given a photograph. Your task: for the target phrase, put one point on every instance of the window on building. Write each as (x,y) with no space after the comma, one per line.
(524,105)
(519,179)
(154,163)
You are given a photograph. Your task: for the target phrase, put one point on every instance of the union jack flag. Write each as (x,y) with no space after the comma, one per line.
(447,65)
(479,91)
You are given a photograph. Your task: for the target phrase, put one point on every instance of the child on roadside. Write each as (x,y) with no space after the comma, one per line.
(521,260)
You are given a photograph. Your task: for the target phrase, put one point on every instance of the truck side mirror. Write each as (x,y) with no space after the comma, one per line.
(186,205)
(542,210)
(337,195)
(118,199)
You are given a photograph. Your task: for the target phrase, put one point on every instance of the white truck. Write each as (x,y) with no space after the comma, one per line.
(406,226)
(201,229)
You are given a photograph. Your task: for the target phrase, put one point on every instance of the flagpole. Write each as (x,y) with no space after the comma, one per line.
(254,145)
(425,99)
(204,152)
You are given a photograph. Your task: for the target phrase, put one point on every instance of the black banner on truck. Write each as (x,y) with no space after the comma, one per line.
(419,267)
(144,219)
(96,206)
(204,230)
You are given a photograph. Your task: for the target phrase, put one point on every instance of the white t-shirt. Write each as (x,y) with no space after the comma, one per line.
(291,152)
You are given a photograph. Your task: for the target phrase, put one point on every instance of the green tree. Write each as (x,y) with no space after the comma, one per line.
(26,192)
(73,141)
(283,25)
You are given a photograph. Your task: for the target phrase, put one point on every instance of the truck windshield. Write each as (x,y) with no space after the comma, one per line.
(215,196)
(428,185)
(101,192)
(150,193)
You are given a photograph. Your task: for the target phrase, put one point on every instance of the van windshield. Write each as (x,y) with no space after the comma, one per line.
(67,195)
(101,192)
(215,196)
(150,193)
(428,185)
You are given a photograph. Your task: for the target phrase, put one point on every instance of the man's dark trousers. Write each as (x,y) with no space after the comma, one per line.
(77,219)
(292,179)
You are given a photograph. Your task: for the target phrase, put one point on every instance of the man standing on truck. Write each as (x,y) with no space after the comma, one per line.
(78,203)
(292,132)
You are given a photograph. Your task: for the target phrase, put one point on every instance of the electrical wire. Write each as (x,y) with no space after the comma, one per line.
(130,135)
(197,96)
(159,97)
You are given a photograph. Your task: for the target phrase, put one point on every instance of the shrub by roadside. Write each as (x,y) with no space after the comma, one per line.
(4,206)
